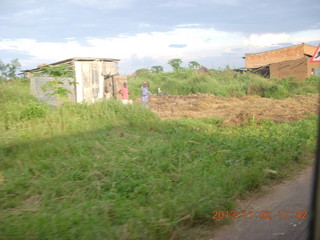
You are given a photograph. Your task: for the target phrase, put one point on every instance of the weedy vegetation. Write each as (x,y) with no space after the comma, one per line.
(222,83)
(110,171)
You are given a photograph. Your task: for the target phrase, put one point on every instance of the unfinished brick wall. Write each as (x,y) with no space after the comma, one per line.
(309,49)
(254,60)
(293,68)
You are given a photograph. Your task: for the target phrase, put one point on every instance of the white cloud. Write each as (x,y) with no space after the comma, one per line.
(224,2)
(305,36)
(189,25)
(275,39)
(30,12)
(176,4)
(192,3)
(199,43)
(103,4)
(267,40)
(144,25)
(229,50)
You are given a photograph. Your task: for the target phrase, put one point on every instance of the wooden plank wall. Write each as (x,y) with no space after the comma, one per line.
(93,78)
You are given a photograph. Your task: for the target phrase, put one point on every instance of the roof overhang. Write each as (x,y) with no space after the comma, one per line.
(75,59)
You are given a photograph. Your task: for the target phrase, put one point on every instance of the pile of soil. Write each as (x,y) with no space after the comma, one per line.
(234,110)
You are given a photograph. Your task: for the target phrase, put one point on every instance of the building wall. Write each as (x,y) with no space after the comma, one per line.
(310,50)
(36,90)
(278,55)
(90,77)
(312,66)
(293,68)
(299,68)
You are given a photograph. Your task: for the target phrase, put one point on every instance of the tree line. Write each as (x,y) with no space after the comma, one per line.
(176,64)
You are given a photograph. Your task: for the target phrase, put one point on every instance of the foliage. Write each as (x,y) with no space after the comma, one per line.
(223,83)
(58,71)
(61,75)
(9,71)
(175,63)
(109,171)
(193,65)
(157,69)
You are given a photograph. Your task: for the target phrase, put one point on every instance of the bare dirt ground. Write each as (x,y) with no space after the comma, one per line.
(235,110)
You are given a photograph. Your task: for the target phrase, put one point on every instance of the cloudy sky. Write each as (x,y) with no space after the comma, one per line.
(144,33)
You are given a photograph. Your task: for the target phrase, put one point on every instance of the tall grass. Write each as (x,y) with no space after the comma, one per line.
(223,83)
(108,171)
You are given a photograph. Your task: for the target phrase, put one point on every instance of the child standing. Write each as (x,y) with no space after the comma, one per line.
(145,93)
(125,94)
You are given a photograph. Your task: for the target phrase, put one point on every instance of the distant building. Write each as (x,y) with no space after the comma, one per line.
(284,62)
(93,77)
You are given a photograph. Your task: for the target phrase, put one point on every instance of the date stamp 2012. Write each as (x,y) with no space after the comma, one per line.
(261,214)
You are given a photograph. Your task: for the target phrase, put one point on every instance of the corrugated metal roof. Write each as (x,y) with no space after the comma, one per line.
(74,59)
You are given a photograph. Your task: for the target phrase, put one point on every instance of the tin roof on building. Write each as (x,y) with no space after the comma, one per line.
(74,59)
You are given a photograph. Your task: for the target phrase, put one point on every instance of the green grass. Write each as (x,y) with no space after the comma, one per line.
(108,171)
(223,83)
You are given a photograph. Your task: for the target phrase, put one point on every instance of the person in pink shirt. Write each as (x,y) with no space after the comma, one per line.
(125,94)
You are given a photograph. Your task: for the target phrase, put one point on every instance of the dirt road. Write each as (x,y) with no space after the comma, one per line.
(234,110)
(292,196)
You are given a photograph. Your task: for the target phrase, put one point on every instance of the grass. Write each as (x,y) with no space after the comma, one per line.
(108,171)
(223,83)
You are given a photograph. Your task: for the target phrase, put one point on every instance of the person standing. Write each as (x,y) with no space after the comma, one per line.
(145,94)
(125,94)
(107,94)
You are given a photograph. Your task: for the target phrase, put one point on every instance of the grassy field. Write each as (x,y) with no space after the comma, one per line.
(223,83)
(108,171)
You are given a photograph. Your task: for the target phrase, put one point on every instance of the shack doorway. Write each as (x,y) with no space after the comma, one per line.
(109,87)
(113,84)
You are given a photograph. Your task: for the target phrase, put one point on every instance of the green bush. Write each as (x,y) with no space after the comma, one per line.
(34,110)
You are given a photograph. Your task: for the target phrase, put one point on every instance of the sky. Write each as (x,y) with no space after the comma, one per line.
(145,33)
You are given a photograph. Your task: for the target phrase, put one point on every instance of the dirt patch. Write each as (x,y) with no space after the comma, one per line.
(234,110)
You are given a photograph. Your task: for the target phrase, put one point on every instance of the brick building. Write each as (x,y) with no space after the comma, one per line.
(283,62)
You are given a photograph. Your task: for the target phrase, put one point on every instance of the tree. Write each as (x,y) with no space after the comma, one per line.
(2,70)
(175,63)
(9,71)
(59,74)
(193,65)
(157,69)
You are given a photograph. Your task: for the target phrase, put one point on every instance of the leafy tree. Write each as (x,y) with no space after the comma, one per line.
(227,68)
(157,69)
(10,70)
(175,63)
(58,73)
(2,70)
(193,65)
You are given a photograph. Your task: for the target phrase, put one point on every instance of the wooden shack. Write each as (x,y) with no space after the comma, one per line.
(93,77)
